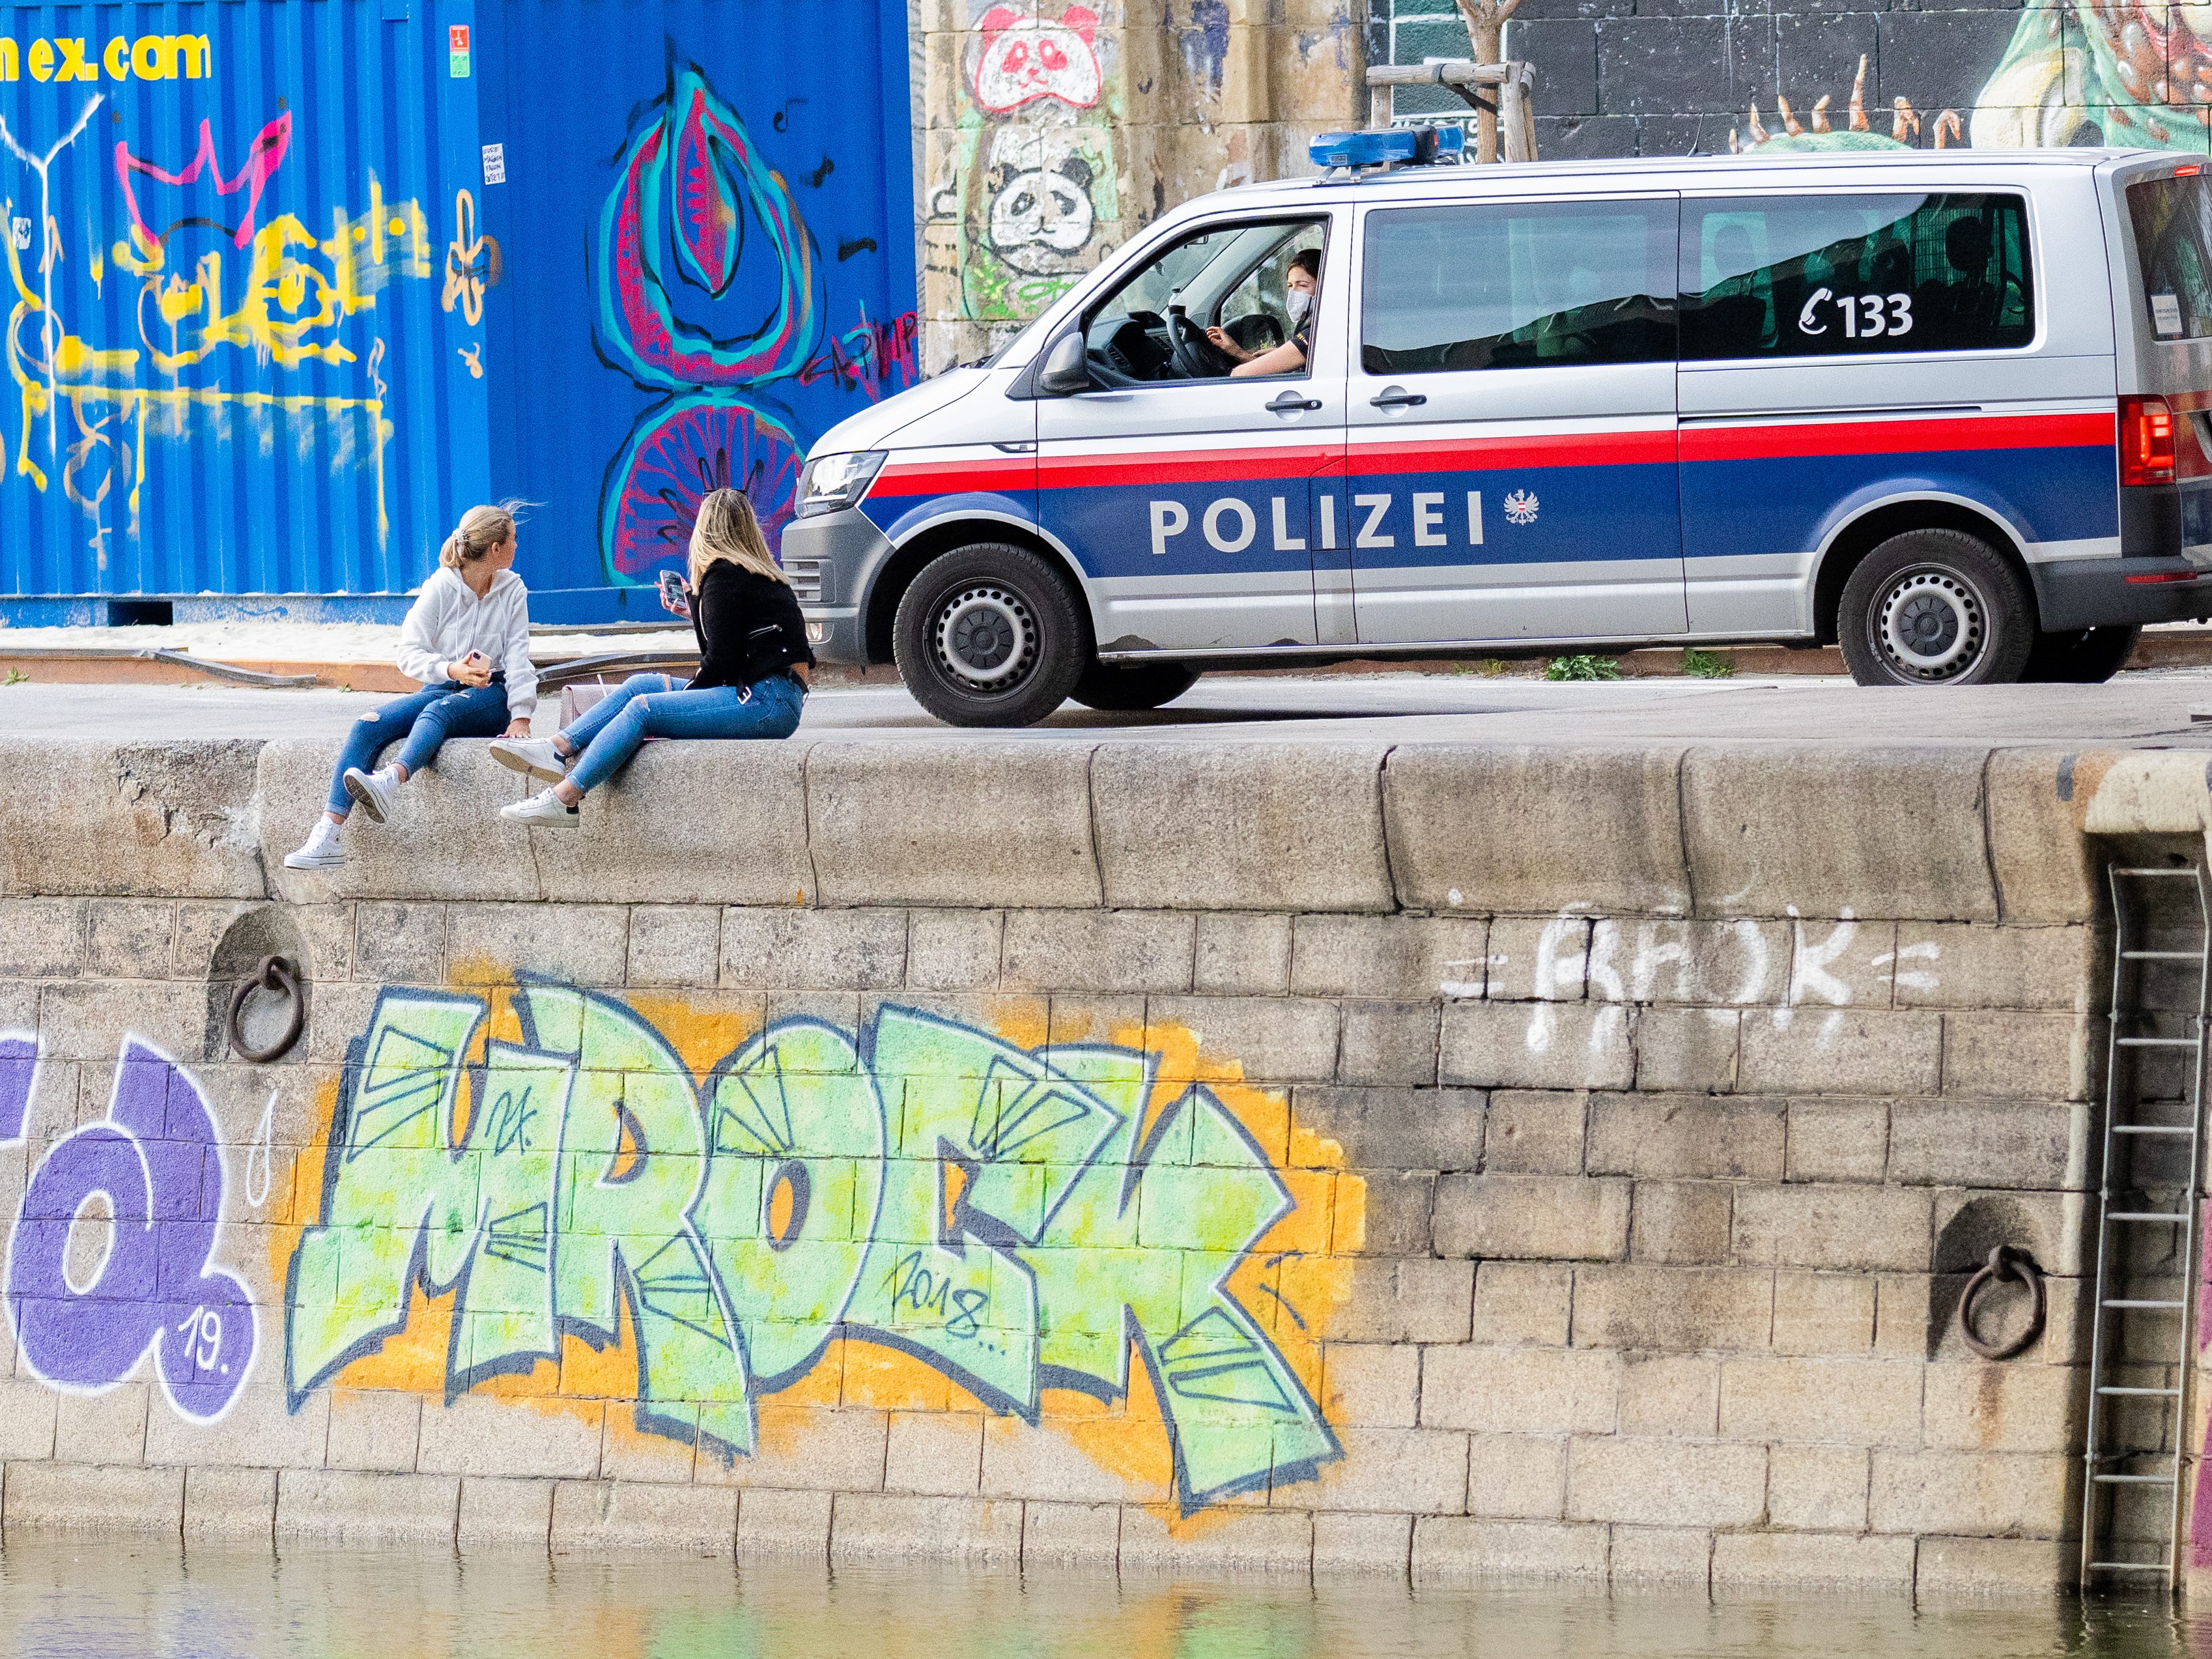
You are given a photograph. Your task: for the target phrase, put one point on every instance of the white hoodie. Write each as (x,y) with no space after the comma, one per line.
(448,622)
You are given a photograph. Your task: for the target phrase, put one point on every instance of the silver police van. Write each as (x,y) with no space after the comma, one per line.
(1950,410)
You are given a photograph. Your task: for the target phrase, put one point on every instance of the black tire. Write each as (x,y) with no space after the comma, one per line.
(2081,656)
(989,634)
(1128,688)
(1935,607)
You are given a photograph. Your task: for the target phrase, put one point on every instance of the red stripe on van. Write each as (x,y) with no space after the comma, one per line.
(946,477)
(1468,454)
(1813,440)
(1185,466)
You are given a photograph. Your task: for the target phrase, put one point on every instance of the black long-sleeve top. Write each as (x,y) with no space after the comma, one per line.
(748,627)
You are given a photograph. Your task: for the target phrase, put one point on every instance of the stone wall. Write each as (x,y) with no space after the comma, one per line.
(1049,135)
(1432,1160)
(1680,77)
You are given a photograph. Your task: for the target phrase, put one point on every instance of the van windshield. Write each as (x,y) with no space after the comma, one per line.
(2172,222)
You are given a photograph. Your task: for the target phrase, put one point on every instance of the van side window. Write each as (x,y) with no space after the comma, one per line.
(1855,276)
(1515,286)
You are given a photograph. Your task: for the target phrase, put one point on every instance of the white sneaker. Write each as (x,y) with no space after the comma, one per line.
(535,756)
(322,849)
(374,793)
(543,808)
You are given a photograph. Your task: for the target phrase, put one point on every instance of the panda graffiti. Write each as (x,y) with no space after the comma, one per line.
(1041,215)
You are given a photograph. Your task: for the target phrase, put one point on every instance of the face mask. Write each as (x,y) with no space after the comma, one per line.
(1301,304)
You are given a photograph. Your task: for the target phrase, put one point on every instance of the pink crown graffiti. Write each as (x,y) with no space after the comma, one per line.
(262,157)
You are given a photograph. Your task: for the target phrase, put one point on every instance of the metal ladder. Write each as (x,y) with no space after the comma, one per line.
(2140,1221)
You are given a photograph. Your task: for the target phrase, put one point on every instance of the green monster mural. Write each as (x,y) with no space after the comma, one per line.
(2123,76)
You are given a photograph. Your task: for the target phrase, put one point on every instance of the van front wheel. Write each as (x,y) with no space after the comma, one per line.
(989,636)
(1935,607)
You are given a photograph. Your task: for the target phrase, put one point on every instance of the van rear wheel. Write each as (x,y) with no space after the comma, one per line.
(989,634)
(1129,688)
(1935,607)
(2081,656)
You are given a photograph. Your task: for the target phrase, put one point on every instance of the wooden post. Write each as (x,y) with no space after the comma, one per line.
(1512,116)
(1486,28)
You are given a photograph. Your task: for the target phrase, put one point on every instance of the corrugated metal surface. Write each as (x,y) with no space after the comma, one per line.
(706,243)
(236,362)
(275,319)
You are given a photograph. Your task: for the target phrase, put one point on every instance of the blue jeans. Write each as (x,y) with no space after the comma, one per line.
(425,721)
(655,705)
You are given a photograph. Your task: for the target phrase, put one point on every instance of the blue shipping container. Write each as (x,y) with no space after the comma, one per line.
(295,281)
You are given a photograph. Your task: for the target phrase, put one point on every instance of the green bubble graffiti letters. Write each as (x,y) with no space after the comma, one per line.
(1009,1217)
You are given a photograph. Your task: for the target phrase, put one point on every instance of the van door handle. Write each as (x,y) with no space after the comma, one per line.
(1290,403)
(1399,400)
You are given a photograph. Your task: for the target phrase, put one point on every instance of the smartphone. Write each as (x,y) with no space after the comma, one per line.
(672,594)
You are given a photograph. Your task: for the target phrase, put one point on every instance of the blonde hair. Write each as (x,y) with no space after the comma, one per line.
(728,528)
(481,529)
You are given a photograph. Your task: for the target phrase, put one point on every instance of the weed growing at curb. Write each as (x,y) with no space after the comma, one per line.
(15,676)
(1707,665)
(1583,668)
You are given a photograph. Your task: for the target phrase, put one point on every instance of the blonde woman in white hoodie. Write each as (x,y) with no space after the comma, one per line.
(467,640)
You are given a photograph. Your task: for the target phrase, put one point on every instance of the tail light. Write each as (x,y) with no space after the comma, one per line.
(2146,441)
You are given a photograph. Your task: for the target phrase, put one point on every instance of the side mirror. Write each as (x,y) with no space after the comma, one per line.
(1066,371)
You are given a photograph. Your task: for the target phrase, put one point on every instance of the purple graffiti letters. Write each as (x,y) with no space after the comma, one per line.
(156,1161)
(19,1062)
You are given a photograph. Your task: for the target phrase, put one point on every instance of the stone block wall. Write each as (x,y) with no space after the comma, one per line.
(1441,1161)
(1048,135)
(1679,78)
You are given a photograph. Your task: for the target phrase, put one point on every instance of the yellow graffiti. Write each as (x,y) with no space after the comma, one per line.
(287,307)
(473,356)
(298,289)
(468,263)
(147,58)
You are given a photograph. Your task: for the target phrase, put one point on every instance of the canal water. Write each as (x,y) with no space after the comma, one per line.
(78,1597)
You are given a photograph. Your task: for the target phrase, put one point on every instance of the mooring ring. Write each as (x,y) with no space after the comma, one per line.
(275,974)
(2004,1262)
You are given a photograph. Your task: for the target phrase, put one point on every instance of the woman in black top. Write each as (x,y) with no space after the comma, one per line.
(1302,289)
(753,665)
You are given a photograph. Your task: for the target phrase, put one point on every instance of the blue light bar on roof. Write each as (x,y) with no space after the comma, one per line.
(1363,150)
(1415,146)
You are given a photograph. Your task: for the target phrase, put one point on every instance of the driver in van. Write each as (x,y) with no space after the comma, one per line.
(1291,358)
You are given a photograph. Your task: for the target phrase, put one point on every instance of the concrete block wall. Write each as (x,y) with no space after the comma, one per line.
(1441,1161)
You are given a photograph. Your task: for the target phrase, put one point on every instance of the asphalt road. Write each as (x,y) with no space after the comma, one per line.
(2149,708)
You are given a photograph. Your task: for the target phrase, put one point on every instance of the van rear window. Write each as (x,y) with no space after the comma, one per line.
(1855,276)
(2173,220)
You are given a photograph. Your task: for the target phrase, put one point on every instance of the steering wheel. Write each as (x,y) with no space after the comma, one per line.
(1198,358)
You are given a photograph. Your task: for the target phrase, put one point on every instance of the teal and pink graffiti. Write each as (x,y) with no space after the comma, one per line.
(670,266)
(1010,1219)
(157,1162)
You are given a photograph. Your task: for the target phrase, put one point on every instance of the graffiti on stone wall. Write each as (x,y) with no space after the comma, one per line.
(1026,199)
(1019,1222)
(2092,72)
(221,300)
(86,1312)
(707,290)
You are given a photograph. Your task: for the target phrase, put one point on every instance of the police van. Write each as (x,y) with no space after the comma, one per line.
(1951,410)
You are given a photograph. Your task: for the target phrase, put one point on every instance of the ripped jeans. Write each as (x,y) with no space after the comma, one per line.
(425,721)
